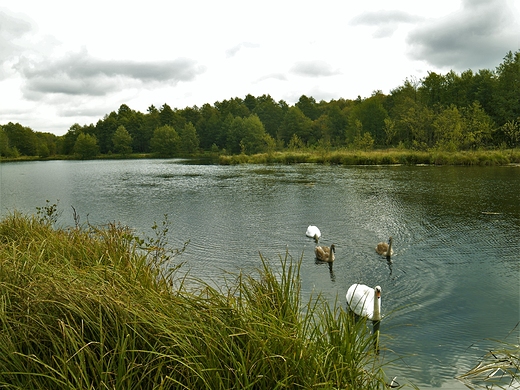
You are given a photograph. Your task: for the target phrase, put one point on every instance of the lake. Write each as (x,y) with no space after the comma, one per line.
(453,284)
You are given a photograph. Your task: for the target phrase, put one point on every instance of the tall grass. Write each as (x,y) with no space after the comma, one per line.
(88,308)
(379,157)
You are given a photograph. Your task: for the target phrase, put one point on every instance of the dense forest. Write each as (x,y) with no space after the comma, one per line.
(451,112)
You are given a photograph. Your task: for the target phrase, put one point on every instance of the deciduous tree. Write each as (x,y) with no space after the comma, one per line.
(86,146)
(189,140)
(122,141)
(165,141)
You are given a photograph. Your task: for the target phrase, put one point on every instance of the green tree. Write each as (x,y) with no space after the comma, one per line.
(337,121)
(250,102)
(46,144)
(166,115)
(270,144)
(68,140)
(165,141)
(270,113)
(477,127)
(295,143)
(363,140)
(104,131)
(511,131)
(448,129)
(4,142)
(188,114)
(86,146)
(22,138)
(189,140)
(390,130)
(484,86)
(236,132)
(122,141)
(372,114)
(432,89)
(413,122)
(235,107)
(209,128)
(322,129)
(254,139)
(308,106)
(507,94)
(295,122)
(134,122)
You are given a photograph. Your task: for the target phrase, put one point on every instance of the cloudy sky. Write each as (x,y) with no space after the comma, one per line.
(66,62)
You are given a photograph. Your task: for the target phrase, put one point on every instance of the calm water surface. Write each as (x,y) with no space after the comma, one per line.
(454,281)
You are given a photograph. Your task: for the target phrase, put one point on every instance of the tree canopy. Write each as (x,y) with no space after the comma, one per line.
(465,111)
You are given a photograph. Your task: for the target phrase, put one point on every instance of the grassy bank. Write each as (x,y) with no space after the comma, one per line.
(379,157)
(96,308)
(339,157)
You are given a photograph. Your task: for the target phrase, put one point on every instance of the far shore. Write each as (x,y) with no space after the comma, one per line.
(331,157)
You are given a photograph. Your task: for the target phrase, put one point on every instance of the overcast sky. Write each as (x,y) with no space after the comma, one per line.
(66,62)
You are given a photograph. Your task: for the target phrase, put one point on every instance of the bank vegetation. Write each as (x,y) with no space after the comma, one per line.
(100,308)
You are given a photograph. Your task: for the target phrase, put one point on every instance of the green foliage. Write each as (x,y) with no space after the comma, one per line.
(448,129)
(363,142)
(165,141)
(296,123)
(390,130)
(505,96)
(511,131)
(22,138)
(86,146)
(48,214)
(122,141)
(295,143)
(371,113)
(189,140)
(254,139)
(4,143)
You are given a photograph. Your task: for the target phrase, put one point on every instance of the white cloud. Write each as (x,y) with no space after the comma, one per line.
(476,36)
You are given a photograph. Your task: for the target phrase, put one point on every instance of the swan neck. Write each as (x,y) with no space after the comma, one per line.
(389,252)
(377,307)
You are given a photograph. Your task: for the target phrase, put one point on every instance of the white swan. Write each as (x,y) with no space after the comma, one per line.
(365,301)
(313,232)
(385,249)
(324,253)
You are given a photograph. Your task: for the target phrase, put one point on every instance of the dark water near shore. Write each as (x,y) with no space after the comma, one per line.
(454,281)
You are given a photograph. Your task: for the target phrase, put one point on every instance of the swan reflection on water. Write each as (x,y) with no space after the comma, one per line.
(331,270)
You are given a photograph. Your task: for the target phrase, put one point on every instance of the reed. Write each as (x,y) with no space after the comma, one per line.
(499,368)
(379,157)
(97,308)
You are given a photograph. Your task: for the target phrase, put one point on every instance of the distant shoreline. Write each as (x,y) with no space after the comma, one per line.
(333,157)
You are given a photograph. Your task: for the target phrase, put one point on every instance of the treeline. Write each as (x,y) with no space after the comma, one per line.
(450,112)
